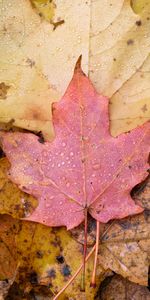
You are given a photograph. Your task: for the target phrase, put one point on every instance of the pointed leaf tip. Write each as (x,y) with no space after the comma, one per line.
(78,64)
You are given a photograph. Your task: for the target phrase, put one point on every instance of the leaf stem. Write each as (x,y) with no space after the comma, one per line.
(93,281)
(75,275)
(84,253)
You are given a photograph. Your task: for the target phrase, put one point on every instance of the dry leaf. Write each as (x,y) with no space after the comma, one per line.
(120,288)
(125,248)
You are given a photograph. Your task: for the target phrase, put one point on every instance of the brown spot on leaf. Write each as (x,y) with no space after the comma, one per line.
(3,90)
(130,42)
(30,62)
(39,254)
(138,23)
(33,278)
(56,24)
(35,113)
(144,108)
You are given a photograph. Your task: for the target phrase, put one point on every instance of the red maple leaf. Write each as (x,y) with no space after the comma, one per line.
(84,168)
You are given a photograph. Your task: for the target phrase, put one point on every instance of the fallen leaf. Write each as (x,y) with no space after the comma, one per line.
(120,288)
(124,244)
(125,248)
(45,258)
(119,60)
(12,200)
(32,52)
(8,251)
(75,172)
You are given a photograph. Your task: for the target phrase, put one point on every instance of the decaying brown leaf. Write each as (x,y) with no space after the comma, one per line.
(124,248)
(121,289)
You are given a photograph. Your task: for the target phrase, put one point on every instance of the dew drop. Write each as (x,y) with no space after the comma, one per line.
(59,165)
(51,197)
(61,154)
(71,153)
(63,144)
(68,184)
(63,163)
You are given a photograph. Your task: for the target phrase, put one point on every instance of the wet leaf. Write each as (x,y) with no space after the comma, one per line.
(84,168)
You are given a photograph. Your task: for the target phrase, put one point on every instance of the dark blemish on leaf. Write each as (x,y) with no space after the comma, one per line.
(66,270)
(129,167)
(60,259)
(30,62)
(91,182)
(51,273)
(25,241)
(35,113)
(83,160)
(33,278)
(138,23)
(148,18)
(144,108)
(114,59)
(58,23)
(39,254)
(3,90)
(130,42)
